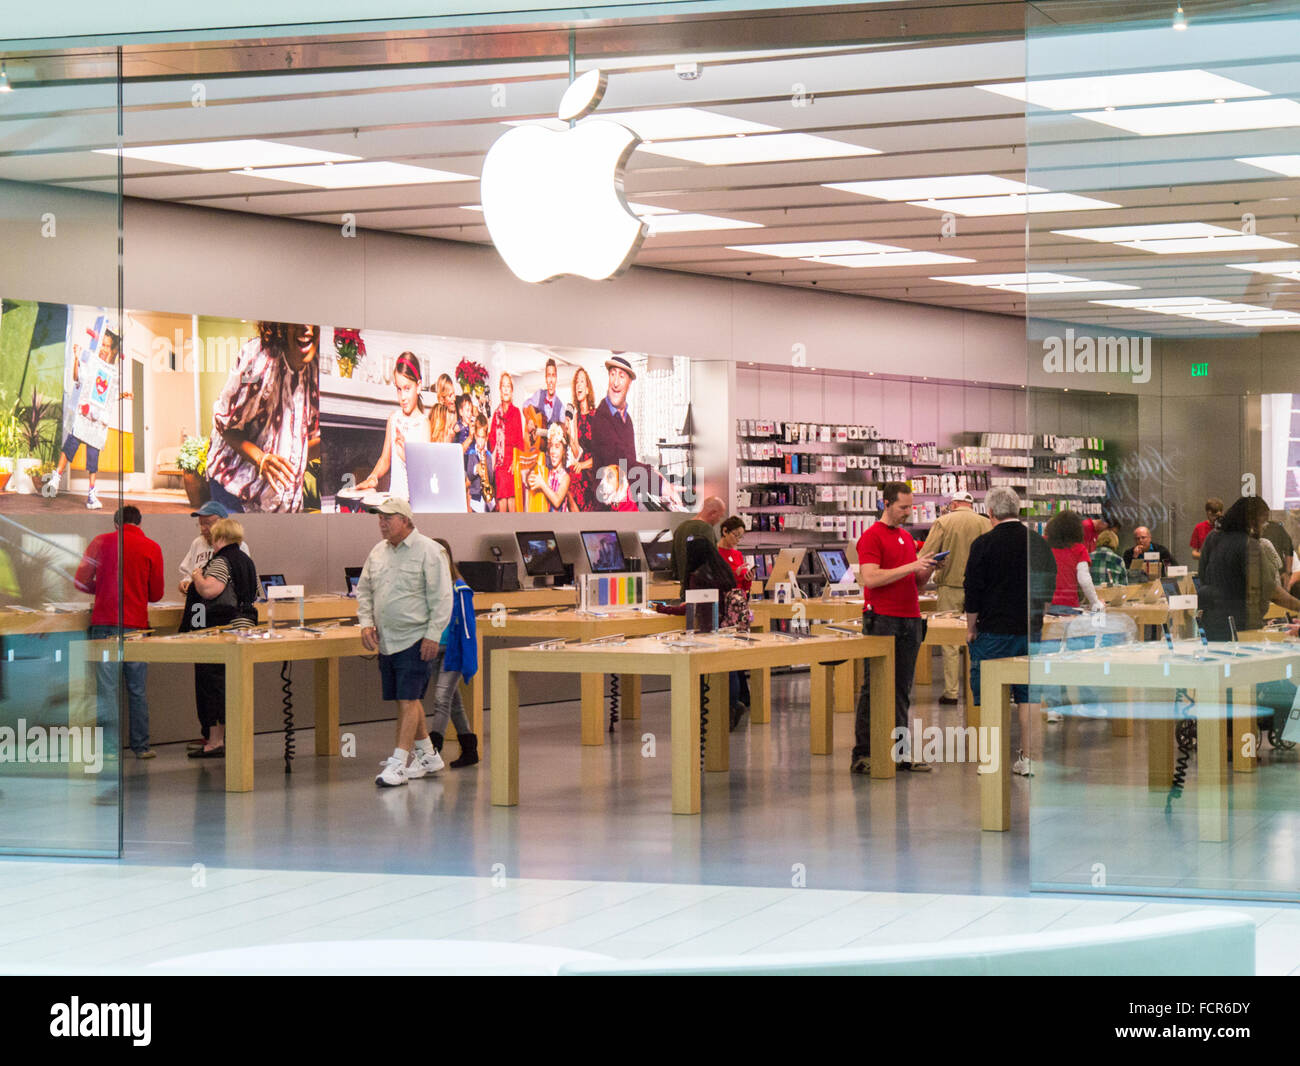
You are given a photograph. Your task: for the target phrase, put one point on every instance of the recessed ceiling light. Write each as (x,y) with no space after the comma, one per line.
(472,207)
(985,206)
(1274,113)
(688,222)
(1176,238)
(1036,282)
(767,148)
(951,185)
(1154,231)
(1282,268)
(1207,309)
(1124,90)
(889,259)
(228,155)
(804,249)
(1236,242)
(359,175)
(1288,165)
(668,123)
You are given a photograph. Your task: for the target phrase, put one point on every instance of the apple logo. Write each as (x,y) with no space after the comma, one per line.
(433,484)
(553,201)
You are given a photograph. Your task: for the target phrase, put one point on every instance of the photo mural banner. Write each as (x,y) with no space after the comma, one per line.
(290,417)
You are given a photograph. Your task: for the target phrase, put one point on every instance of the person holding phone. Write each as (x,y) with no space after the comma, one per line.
(891,575)
(949,543)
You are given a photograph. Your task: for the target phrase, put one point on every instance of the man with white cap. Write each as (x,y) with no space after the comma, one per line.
(954,533)
(404,601)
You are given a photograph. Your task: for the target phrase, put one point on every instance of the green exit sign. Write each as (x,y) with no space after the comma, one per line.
(1200,370)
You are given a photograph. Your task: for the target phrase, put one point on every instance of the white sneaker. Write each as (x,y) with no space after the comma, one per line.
(1022,766)
(423,765)
(393,774)
(1054,716)
(92,502)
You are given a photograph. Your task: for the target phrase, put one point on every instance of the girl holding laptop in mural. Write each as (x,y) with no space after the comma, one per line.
(409,422)
(266,422)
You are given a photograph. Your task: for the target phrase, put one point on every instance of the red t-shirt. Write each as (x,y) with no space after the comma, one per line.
(737,563)
(1067,580)
(142,577)
(1089,535)
(890,547)
(1202,530)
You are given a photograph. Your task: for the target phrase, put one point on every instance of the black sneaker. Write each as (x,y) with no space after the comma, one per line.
(949,701)
(861,765)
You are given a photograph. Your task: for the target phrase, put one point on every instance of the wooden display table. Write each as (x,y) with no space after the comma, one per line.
(1225,670)
(712,656)
(238,653)
(572,624)
(166,616)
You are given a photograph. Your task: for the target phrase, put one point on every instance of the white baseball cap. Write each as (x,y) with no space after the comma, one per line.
(962,497)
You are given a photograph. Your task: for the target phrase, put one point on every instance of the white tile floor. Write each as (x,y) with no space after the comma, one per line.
(111,917)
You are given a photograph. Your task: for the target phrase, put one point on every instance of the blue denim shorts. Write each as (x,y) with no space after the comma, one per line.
(405,676)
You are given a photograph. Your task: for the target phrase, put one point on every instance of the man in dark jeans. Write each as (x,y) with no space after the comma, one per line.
(138,570)
(890,575)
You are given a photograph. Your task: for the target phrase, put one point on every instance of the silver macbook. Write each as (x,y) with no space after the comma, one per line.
(436,476)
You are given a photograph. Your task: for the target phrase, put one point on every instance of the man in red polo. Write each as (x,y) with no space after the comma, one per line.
(890,575)
(138,570)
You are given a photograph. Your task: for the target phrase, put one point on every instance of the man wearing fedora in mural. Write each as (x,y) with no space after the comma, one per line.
(613,444)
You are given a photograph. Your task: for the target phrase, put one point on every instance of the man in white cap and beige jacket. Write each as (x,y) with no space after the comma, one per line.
(404,603)
(954,533)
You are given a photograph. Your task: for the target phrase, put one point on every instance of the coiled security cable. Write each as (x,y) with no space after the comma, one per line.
(704,713)
(287,689)
(613,701)
(1185,736)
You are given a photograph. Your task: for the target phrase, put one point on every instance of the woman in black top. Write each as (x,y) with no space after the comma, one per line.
(227,589)
(1237,580)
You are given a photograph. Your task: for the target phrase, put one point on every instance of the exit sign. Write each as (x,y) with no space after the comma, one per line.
(1200,370)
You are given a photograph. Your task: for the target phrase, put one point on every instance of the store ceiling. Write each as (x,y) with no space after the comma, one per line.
(910,83)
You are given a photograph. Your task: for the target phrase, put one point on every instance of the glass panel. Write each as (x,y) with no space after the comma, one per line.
(65,438)
(1162,320)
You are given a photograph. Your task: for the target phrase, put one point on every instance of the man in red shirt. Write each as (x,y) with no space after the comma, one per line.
(1093,527)
(1213,512)
(140,576)
(890,575)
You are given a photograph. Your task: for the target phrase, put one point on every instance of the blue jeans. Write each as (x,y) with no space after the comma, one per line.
(106,679)
(217,494)
(996,646)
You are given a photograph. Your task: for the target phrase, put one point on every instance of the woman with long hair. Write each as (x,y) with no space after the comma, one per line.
(442,416)
(1239,576)
(408,422)
(266,422)
(548,482)
(581,476)
(505,438)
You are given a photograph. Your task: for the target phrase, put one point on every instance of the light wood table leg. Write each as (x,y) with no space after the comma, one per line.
(845,691)
(504,751)
(1245,740)
(1121,718)
(717,741)
(881,680)
(629,697)
(995,713)
(760,696)
(239,723)
(924,674)
(1211,770)
(820,682)
(685,702)
(971,711)
(472,693)
(327,706)
(593,709)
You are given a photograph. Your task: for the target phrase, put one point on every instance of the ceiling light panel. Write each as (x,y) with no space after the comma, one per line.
(1125,90)
(228,155)
(1200,118)
(1033,203)
(357,175)
(1238,242)
(763,148)
(888,259)
(689,222)
(953,185)
(1286,165)
(805,249)
(1035,283)
(1154,232)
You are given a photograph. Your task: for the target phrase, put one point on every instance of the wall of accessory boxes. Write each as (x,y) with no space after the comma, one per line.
(806,480)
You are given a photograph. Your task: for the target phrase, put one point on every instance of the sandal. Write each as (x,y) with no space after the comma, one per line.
(214,753)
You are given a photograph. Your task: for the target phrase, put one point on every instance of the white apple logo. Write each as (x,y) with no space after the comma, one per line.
(433,484)
(553,201)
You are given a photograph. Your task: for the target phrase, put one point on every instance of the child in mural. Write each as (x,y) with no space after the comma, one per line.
(548,481)
(442,419)
(408,423)
(506,436)
(266,422)
(463,430)
(478,470)
(95,381)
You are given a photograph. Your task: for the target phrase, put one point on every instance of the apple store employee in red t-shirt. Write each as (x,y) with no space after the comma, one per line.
(890,575)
